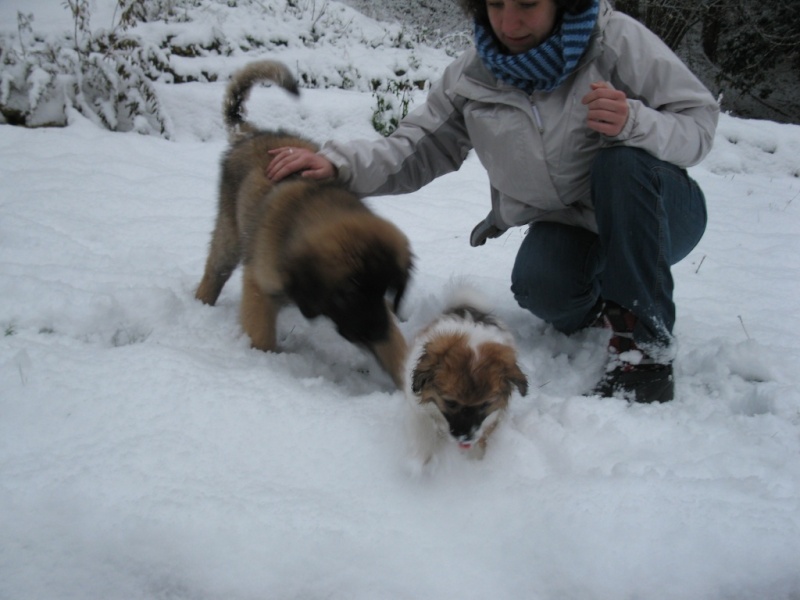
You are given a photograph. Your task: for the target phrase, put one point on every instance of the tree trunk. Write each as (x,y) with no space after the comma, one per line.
(712,26)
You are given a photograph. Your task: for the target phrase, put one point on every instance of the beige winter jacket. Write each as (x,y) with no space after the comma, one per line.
(538,150)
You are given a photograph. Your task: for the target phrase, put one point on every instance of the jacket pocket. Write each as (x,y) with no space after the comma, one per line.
(509,147)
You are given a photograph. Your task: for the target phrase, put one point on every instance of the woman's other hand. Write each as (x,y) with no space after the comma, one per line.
(608,109)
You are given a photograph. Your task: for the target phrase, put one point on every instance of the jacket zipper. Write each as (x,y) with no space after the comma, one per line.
(537,117)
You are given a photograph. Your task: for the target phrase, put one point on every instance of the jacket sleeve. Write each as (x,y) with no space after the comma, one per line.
(672,114)
(429,142)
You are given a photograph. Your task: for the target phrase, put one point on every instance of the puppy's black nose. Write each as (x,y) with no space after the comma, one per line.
(463,429)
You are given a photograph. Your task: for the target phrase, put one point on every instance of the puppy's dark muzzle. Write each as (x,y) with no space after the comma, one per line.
(368,337)
(369,329)
(465,423)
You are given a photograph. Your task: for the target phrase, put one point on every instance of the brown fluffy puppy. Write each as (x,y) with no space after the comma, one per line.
(310,243)
(460,374)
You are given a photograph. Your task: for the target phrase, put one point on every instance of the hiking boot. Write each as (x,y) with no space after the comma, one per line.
(596,318)
(643,383)
(631,373)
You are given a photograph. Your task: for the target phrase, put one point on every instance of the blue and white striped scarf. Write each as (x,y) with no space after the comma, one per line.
(546,66)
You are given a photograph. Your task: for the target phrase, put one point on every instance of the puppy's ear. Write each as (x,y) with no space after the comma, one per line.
(517,377)
(422,374)
(397,284)
(305,288)
(399,291)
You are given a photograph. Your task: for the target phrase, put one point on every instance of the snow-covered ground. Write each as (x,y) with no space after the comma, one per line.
(146,452)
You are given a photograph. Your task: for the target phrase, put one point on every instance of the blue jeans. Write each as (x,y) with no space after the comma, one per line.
(650,214)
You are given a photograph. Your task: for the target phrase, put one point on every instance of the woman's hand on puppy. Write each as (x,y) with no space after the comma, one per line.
(289,160)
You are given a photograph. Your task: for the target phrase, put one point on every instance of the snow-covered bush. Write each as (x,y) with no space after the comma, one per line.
(110,75)
(392,99)
(106,76)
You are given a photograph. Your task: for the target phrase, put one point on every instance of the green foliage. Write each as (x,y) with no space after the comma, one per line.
(392,99)
(143,11)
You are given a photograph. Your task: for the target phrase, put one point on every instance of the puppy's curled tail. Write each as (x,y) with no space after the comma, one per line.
(460,293)
(239,88)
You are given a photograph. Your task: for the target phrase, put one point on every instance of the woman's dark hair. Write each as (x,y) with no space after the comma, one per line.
(476,9)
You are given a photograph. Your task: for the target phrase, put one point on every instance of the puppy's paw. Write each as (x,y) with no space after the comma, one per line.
(476,451)
(417,466)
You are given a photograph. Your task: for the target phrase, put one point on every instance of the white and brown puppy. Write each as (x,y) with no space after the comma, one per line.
(460,374)
(312,244)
